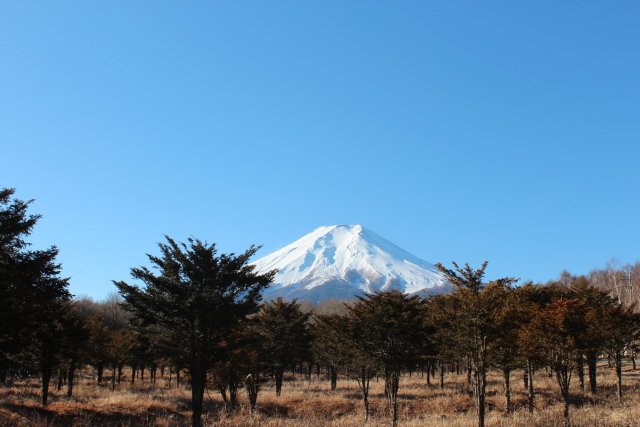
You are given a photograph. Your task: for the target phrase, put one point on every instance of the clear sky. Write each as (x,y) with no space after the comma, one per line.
(459,130)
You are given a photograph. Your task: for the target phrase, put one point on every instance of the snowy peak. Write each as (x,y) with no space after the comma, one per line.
(343,261)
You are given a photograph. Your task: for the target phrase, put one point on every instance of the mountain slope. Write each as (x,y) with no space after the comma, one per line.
(342,261)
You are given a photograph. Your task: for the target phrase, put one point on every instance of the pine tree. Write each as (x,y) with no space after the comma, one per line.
(531,300)
(284,329)
(74,349)
(556,330)
(33,296)
(328,345)
(197,297)
(623,329)
(476,323)
(389,328)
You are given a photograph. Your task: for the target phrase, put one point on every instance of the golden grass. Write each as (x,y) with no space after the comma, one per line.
(311,403)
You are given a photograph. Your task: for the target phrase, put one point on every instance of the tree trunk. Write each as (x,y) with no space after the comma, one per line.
(580,369)
(565,413)
(279,374)
(506,374)
(252,386)
(525,378)
(99,372)
(563,375)
(233,395)
(59,384)
(530,394)
(592,365)
(441,375)
(618,361)
(113,377)
(198,380)
(428,373)
(480,396)
(71,374)
(334,377)
(392,383)
(119,373)
(133,373)
(363,382)
(46,378)
(4,368)
(223,393)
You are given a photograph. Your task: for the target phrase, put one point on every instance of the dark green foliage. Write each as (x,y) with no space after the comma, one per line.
(32,295)
(196,298)
(329,347)
(244,362)
(389,328)
(284,329)
(74,349)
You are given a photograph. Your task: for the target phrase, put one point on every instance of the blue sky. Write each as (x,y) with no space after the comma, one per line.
(465,130)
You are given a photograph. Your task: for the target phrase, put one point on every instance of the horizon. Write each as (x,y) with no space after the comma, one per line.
(466,132)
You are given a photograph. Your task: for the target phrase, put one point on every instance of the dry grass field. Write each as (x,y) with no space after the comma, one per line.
(312,403)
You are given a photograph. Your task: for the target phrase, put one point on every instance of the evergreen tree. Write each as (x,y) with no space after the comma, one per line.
(328,346)
(74,349)
(556,330)
(504,350)
(33,296)
(197,297)
(476,322)
(623,330)
(593,304)
(390,328)
(284,329)
(531,300)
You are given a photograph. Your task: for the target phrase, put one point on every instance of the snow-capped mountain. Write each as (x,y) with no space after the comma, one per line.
(343,261)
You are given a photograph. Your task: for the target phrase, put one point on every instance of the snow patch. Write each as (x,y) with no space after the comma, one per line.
(341,261)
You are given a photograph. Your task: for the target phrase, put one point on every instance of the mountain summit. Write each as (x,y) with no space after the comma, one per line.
(343,261)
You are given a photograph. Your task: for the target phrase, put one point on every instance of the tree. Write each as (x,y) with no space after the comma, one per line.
(556,330)
(32,294)
(197,297)
(283,327)
(328,346)
(594,304)
(531,300)
(246,363)
(75,338)
(476,324)
(440,314)
(623,329)
(337,342)
(389,327)
(504,348)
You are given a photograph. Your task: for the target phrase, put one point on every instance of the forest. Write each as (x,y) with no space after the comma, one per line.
(191,329)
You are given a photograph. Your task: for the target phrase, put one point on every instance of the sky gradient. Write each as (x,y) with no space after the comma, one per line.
(506,131)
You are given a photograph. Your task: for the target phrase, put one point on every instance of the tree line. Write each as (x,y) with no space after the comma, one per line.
(196,314)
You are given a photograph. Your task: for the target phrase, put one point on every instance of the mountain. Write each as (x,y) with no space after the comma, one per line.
(343,261)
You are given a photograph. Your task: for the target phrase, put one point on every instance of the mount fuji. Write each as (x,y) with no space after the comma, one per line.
(345,261)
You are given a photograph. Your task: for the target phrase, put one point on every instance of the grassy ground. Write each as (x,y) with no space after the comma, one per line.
(312,403)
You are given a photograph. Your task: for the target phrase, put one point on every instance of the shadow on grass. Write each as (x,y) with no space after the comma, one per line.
(42,416)
(273,409)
